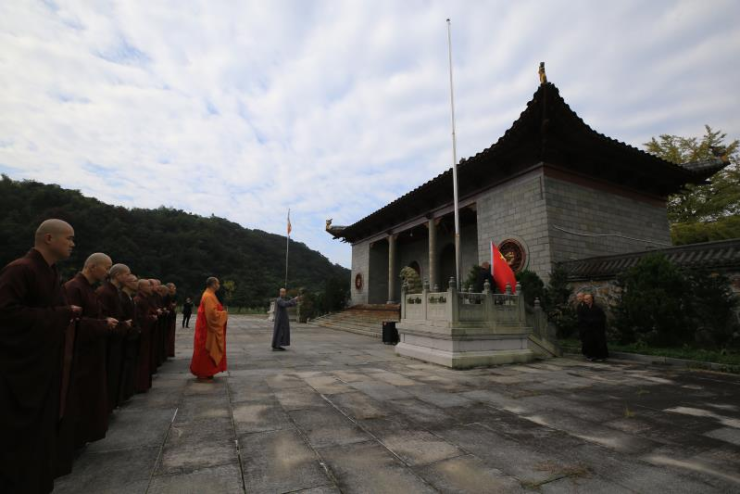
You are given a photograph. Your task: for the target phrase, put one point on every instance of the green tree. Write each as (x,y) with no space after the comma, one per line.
(706,207)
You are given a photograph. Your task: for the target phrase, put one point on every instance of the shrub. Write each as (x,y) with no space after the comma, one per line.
(658,304)
(560,310)
(532,286)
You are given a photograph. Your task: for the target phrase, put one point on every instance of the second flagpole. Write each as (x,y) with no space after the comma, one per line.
(287,249)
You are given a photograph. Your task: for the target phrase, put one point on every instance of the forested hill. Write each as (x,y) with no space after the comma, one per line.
(163,243)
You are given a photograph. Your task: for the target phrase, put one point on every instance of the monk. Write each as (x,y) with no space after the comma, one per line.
(89,381)
(166,301)
(155,352)
(209,346)
(34,319)
(131,341)
(111,305)
(146,319)
(172,320)
(281,329)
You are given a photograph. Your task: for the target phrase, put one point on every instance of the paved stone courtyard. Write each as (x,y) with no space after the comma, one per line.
(340,412)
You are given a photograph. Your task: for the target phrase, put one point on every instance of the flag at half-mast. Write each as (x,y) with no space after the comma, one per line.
(290,228)
(501,271)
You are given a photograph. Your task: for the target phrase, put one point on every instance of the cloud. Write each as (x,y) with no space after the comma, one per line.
(243,109)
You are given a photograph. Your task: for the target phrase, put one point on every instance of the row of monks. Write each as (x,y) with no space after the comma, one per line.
(71,353)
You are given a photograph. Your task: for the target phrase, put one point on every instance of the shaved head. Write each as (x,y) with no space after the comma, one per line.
(96,267)
(98,258)
(144,287)
(118,270)
(55,240)
(53,227)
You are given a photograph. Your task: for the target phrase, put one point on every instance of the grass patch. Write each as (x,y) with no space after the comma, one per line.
(688,353)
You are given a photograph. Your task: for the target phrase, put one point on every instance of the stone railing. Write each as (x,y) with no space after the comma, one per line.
(462,308)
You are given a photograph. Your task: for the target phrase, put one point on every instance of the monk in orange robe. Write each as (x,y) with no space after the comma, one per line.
(209,347)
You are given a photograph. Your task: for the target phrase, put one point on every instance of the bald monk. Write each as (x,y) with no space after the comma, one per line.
(131,341)
(111,305)
(33,321)
(172,319)
(209,346)
(146,317)
(155,298)
(164,294)
(89,367)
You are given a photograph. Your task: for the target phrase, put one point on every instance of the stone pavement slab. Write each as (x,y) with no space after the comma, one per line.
(341,413)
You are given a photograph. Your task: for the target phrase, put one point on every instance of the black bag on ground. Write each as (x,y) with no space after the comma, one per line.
(390,333)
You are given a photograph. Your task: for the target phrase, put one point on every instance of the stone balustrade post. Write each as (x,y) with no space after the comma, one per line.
(521,309)
(452,301)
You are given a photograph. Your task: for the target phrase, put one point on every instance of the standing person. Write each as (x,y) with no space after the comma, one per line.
(111,305)
(172,319)
(209,345)
(34,321)
(580,320)
(146,319)
(187,311)
(87,405)
(131,342)
(594,324)
(281,329)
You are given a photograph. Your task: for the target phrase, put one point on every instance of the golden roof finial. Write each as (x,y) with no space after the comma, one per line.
(543,76)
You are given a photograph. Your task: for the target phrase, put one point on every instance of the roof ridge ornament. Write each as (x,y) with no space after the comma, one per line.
(541,72)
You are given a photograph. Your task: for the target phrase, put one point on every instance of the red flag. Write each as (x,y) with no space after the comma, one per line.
(501,271)
(290,228)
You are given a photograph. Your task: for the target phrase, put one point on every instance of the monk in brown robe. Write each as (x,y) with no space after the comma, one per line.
(146,318)
(155,349)
(209,345)
(89,367)
(164,294)
(131,342)
(111,305)
(172,321)
(33,321)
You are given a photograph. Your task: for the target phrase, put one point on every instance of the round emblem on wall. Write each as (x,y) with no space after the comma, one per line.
(358,282)
(514,253)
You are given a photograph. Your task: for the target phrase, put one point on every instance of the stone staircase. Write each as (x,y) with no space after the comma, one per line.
(366,320)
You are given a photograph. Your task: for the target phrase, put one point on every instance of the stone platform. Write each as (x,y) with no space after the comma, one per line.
(339,412)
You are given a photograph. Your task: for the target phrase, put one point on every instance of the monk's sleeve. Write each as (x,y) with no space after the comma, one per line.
(215,316)
(287,303)
(23,327)
(88,328)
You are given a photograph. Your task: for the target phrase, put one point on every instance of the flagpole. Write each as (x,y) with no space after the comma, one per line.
(458,253)
(287,249)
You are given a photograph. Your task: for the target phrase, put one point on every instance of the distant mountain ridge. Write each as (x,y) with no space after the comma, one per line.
(163,243)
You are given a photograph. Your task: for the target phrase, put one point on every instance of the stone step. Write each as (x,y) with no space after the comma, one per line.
(358,327)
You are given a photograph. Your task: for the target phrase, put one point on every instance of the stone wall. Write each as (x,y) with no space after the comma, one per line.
(361,265)
(516,209)
(588,211)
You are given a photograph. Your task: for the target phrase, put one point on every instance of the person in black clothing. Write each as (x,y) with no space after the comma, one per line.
(187,310)
(484,273)
(580,321)
(592,322)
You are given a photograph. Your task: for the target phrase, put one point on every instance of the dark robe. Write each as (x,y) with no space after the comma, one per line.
(130,348)
(581,325)
(111,306)
(146,315)
(172,326)
(166,301)
(281,329)
(481,278)
(33,322)
(155,351)
(594,332)
(89,381)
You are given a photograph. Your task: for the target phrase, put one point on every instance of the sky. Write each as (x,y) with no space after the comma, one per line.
(243,109)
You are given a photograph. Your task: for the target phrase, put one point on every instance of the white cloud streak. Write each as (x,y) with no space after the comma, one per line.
(243,109)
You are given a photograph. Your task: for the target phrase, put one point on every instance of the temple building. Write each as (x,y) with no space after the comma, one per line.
(550,190)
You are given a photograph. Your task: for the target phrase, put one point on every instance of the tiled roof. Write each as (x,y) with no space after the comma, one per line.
(722,255)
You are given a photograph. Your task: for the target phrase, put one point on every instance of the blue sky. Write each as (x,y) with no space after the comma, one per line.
(243,109)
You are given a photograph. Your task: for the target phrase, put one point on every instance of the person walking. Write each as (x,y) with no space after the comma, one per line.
(187,311)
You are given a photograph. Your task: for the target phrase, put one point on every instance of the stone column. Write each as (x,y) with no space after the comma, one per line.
(392,271)
(432,227)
